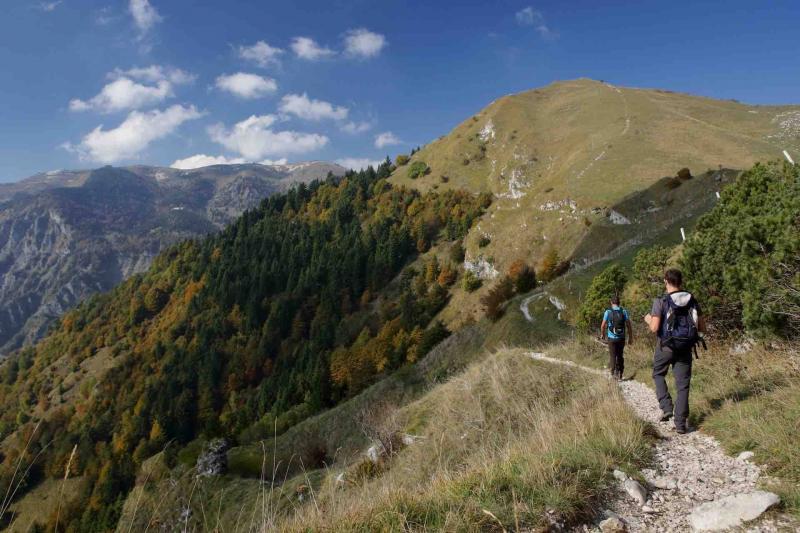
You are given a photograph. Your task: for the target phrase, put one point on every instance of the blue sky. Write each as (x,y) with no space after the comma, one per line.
(85,83)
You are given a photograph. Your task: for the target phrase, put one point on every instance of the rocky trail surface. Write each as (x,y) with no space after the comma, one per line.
(693,485)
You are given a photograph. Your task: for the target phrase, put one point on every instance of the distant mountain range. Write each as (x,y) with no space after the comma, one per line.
(65,235)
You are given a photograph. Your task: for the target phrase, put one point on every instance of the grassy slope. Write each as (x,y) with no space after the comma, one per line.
(593,144)
(507,435)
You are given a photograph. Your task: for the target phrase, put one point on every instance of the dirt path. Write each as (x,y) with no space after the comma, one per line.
(688,471)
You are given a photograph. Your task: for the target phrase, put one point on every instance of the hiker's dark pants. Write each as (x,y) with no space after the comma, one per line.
(681,363)
(616,363)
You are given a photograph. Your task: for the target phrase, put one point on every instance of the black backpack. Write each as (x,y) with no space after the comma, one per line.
(616,324)
(679,325)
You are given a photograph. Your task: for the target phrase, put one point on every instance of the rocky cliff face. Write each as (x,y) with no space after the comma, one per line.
(67,235)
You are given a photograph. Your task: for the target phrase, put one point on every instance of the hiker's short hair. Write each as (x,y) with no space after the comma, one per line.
(615,299)
(674,277)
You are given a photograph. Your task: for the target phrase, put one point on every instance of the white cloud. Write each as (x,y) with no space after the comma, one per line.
(261,54)
(307,48)
(135,134)
(531,17)
(144,15)
(387,138)
(49,7)
(358,163)
(363,43)
(302,106)
(254,138)
(125,94)
(274,162)
(155,73)
(245,85)
(354,128)
(203,160)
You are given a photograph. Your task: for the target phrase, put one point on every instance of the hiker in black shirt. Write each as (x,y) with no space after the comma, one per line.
(677,321)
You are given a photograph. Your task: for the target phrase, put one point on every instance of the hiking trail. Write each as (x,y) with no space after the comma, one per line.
(692,484)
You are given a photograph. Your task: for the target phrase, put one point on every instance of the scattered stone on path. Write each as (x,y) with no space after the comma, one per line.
(685,473)
(732,511)
(620,475)
(613,524)
(664,483)
(745,456)
(635,491)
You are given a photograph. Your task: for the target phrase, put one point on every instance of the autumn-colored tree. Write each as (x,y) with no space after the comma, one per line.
(493,300)
(447,276)
(431,270)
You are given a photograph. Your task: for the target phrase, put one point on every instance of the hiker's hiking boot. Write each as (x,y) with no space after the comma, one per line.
(683,430)
(665,417)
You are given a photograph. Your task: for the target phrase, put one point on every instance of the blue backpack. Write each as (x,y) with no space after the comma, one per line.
(679,325)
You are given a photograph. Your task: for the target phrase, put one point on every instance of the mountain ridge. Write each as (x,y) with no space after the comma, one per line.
(68,234)
(560,157)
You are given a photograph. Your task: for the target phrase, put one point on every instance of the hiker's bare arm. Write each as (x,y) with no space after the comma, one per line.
(630,331)
(701,324)
(603,327)
(653,322)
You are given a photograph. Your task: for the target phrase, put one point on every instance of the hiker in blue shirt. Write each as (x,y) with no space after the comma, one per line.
(616,327)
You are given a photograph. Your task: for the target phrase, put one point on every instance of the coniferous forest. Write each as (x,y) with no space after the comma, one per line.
(296,306)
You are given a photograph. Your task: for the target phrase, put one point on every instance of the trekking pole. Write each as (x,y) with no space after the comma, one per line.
(788,157)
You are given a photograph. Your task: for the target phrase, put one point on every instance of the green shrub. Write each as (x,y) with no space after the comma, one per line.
(470,282)
(648,268)
(401,160)
(606,284)
(417,169)
(484,241)
(743,259)
(522,275)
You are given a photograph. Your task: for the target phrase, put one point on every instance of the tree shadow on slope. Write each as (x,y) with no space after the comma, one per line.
(651,216)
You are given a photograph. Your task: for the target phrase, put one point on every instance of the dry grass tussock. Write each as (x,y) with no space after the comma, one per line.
(500,445)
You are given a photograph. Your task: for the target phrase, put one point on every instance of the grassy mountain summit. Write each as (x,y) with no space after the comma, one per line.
(560,157)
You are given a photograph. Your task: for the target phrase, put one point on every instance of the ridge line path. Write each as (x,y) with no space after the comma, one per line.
(688,471)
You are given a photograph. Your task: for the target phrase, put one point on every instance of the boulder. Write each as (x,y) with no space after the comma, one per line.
(620,475)
(375,452)
(213,461)
(731,511)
